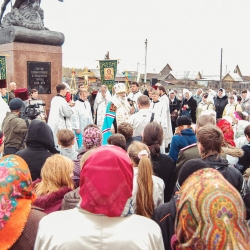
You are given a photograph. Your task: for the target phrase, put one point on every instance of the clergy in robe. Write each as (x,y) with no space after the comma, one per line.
(82,115)
(168,132)
(102,98)
(134,95)
(160,109)
(4,106)
(117,111)
(60,112)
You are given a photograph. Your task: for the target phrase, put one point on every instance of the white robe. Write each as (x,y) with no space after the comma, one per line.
(99,98)
(134,97)
(168,132)
(59,116)
(4,108)
(100,108)
(122,110)
(82,115)
(160,109)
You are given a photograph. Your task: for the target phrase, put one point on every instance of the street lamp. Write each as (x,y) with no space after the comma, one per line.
(145,73)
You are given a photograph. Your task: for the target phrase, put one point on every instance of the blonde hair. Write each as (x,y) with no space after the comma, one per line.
(144,196)
(56,173)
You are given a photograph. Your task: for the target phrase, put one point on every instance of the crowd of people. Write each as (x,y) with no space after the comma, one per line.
(138,170)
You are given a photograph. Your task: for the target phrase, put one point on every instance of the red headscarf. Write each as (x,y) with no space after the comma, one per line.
(106,181)
(227,131)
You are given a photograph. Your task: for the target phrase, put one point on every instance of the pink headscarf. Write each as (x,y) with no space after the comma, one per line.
(227,131)
(106,181)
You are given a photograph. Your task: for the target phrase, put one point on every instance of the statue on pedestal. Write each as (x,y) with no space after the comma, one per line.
(25,24)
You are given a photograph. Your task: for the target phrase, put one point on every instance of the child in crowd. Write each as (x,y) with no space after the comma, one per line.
(126,130)
(66,139)
(117,140)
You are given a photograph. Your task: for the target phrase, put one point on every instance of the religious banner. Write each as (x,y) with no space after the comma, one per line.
(3,75)
(108,69)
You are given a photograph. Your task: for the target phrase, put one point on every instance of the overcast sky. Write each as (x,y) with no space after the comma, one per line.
(187,34)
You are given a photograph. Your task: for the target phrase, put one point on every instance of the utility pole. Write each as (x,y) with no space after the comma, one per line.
(145,73)
(221,68)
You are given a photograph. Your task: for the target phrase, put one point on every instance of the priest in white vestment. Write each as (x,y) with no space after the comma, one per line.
(4,109)
(168,133)
(102,98)
(60,112)
(117,111)
(82,115)
(134,95)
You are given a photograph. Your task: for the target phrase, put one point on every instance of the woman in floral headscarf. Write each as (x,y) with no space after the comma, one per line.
(210,214)
(18,220)
(92,138)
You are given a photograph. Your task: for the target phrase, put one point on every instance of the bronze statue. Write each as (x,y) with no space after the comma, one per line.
(25,13)
(25,24)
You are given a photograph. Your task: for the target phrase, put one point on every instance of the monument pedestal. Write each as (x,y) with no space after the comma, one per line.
(21,53)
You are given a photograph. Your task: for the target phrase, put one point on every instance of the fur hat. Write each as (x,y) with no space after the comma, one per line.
(3,84)
(15,104)
(120,88)
(22,94)
(183,120)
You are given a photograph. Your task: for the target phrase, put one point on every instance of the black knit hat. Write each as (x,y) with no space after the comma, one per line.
(188,168)
(183,120)
(15,104)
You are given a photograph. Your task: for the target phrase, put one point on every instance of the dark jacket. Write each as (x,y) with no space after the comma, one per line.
(27,239)
(14,129)
(174,105)
(52,202)
(220,104)
(40,146)
(164,216)
(187,137)
(192,105)
(233,176)
(244,161)
(163,167)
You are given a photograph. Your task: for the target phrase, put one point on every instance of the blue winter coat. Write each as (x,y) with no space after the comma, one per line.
(186,138)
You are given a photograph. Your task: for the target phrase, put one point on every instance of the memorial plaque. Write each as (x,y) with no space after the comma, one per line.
(39,76)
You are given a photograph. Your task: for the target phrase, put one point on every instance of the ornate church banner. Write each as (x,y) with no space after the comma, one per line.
(2,68)
(108,69)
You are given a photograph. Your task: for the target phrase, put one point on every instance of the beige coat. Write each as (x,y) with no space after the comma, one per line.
(230,109)
(79,229)
(202,107)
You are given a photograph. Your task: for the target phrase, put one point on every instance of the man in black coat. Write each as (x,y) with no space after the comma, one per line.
(189,104)
(174,107)
(220,103)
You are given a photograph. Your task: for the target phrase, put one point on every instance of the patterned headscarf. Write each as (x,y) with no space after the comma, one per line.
(227,131)
(92,138)
(16,197)
(106,182)
(210,214)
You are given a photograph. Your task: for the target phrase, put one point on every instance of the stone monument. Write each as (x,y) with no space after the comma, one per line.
(35,52)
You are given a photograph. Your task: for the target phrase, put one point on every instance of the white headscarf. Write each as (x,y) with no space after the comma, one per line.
(187,91)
